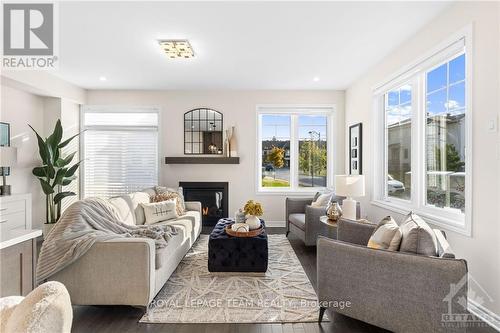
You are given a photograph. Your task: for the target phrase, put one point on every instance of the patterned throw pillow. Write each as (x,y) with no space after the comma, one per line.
(418,236)
(170,196)
(159,211)
(387,235)
(179,192)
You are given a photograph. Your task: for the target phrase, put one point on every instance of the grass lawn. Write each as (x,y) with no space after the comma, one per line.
(271,182)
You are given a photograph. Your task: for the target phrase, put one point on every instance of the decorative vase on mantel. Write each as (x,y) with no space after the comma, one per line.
(233,143)
(227,143)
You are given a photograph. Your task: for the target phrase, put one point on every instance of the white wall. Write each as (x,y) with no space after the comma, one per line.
(19,108)
(482,250)
(239,108)
(38,99)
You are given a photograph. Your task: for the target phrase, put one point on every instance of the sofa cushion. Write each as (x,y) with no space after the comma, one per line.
(298,220)
(123,206)
(195,218)
(418,236)
(138,198)
(159,211)
(386,235)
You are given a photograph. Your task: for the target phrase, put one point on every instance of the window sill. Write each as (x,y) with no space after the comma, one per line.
(291,192)
(448,223)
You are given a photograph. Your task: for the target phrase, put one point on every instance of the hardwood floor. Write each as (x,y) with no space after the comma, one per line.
(125,319)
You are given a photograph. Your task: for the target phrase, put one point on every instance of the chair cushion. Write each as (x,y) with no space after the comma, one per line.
(7,306)
(45,309)
(298,220)
(386,235)
(123,206)
(418,236)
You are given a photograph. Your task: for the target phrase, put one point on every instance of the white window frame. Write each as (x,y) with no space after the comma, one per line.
(414,74)
(296,110)
(115,109)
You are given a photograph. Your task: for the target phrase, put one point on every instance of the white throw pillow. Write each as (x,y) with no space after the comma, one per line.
(159,211)
(322,200)
(386,236)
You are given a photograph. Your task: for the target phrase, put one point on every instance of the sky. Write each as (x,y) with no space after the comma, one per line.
(445,92)
(279,126)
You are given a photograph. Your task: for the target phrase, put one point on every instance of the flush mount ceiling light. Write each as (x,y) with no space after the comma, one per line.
(177,48)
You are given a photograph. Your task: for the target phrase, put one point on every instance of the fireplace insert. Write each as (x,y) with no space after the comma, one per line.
(213,197)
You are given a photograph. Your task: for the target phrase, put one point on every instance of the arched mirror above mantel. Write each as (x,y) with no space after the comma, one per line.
(203,132)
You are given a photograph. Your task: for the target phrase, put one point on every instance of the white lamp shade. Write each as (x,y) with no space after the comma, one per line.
(350,185)
(8,156)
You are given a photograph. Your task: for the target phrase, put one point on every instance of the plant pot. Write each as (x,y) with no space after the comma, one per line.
(47,227)
(253,222)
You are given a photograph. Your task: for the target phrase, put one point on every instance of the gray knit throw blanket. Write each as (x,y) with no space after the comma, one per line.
(84,223)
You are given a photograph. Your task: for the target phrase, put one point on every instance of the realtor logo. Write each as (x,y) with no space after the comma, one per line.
(29,36)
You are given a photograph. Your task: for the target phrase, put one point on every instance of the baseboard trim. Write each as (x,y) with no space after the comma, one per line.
(486,315)
(275,224)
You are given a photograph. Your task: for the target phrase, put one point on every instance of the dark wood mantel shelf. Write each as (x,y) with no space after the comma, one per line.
(201,160)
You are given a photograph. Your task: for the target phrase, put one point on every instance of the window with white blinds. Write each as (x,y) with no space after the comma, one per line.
(120,150)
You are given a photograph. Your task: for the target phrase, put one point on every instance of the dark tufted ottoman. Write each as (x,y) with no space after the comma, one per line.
(236,254)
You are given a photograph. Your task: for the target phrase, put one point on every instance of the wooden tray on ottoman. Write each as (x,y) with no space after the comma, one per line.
(251,233)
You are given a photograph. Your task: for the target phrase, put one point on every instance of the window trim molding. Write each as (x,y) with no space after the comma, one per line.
(412,74)
(296,109)
(96,108)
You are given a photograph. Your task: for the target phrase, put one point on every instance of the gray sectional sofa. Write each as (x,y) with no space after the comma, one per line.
(129,271)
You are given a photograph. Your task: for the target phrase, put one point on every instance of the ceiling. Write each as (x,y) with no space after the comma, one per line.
(238,45)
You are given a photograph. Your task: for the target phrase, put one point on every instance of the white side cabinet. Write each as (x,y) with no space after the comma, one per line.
(15,212)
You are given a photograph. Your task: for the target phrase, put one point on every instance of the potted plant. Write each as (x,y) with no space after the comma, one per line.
(54,173)
(253,210)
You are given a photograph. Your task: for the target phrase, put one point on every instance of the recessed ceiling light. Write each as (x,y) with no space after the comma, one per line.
(177,48)
(316,79)
(102,78)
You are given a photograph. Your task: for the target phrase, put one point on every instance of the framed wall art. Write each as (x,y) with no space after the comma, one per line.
(356,149)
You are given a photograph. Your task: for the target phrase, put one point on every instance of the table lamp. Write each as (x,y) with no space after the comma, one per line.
(8,158)
(349,186)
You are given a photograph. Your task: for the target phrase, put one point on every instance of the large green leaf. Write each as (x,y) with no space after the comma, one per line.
(40,171)
(43,150)
(66,142)
(47,189)
(55,138)
(59,196)
(65,161)
(59,176)
(72,170)
(67,181)
(52,171)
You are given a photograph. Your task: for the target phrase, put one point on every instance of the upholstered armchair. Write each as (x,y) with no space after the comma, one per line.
(303,221)
(398,291)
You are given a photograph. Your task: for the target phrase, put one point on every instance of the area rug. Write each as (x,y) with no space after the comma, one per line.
(194,295)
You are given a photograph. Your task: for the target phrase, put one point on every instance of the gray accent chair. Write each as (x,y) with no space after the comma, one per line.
(303,221)
(398,291)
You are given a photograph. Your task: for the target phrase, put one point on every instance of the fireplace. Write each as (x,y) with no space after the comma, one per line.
(213,197)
